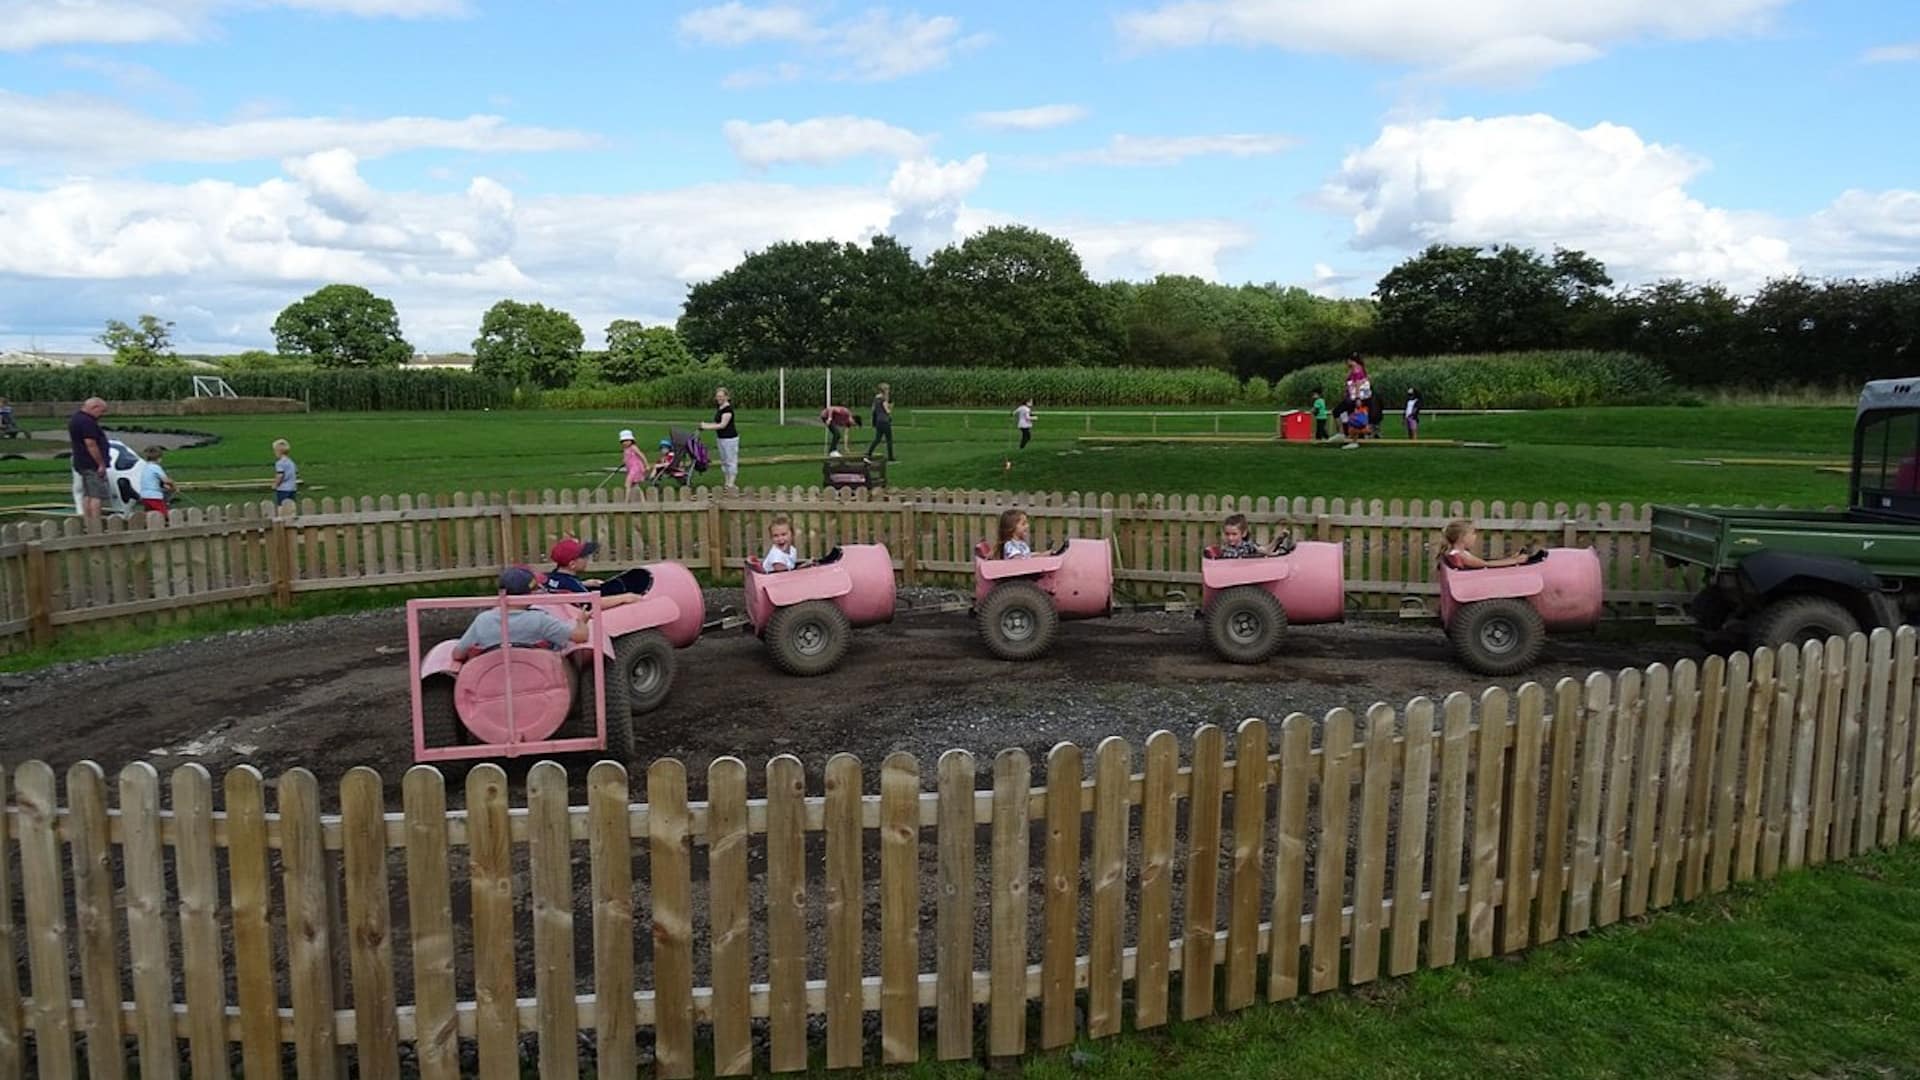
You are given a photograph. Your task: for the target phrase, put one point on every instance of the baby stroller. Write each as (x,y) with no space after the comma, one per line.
(682,453)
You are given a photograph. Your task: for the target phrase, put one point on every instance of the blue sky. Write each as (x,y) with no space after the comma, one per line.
(212,160)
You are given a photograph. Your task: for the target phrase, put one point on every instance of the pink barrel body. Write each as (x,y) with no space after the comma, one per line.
(543,686)
(860,583)
(673,605)
(1310,581)
(1080,578)
(1565,588)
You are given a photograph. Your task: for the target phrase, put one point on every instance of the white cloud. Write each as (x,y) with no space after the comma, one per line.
(1134,250)
(1892,54)
(1866,234)
(875,46)
(741,24)
(1478,40)
(1172,149)
(127,76)
(821,140)
(92,133)
(929,197)
(1537,181)
(31,24)
(1034,118)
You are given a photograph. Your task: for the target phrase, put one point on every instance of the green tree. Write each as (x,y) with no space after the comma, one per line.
(1016,297)
(342,326)
(528,343)
(1177,321)
(808,304)
(148,344)
(636,353)
(1465,299)
(258,360)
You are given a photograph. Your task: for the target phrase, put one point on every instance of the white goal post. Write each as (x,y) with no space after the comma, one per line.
(212,386)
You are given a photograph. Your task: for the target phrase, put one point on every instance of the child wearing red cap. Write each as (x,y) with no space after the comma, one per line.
(569,556)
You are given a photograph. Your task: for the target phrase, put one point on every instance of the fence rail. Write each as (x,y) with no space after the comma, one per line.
(60,574)
(949,899)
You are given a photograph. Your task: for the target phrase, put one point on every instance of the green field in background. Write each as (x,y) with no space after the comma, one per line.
(1571,455)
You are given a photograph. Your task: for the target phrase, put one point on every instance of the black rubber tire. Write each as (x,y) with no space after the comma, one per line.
(1798,619)
(1017,621)
(810,638)
(1498,637)
(579,721)
(439,718)
(639,678)
(1245,624)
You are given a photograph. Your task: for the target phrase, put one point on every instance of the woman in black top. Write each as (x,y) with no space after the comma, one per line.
(725,435)
(882,421)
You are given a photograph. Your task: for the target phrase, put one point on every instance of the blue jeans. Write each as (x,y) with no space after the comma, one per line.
(280,497)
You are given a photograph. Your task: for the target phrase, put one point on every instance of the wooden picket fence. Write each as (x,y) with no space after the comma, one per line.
(55,575)
(951,913)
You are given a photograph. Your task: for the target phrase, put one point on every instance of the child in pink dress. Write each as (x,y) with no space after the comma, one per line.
(635,461)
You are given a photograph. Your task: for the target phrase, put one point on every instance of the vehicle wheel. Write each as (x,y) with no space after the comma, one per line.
(1796,620)
(1017,621)
(1244,624)
(639,678)
(1498,637)
(809,638)
(439,718)
(579,722)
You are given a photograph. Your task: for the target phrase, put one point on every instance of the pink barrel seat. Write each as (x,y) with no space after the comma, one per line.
(1310,581)
(857,578)
(1566,588)
(542,693)
(1079,578)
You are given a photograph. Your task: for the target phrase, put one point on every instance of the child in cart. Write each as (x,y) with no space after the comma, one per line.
(780,554)
(1236,541)
(570,561)
(1014,530)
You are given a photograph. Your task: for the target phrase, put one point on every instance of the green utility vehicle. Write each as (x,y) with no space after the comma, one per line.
(1787,576)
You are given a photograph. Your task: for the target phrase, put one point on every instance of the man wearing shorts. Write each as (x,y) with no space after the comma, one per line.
(90,456)
(725,435)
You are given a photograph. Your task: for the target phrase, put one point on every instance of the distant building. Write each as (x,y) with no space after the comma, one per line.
(24,358)
(463,361)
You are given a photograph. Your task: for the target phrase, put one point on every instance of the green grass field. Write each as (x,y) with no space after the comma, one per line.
(1574,455)
(1811,975)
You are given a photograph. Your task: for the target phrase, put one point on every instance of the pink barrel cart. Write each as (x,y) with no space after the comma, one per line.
(513,701)
(807,615)
(1248,603)
(1498,618)
(1020,603)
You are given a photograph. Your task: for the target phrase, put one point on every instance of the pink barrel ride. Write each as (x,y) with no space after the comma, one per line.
(807,615)
(1020,603)
(506,702)
(1247,603)
(1498,617)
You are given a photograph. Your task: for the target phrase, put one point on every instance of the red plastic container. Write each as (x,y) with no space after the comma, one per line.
(1297,427)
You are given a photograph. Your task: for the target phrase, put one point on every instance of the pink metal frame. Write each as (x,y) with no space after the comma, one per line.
(514,746)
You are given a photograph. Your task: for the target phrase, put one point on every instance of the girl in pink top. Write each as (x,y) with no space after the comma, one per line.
(635,461)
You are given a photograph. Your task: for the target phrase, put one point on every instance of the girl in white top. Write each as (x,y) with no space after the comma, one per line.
(1013,535)
(781,555)
(1461,541)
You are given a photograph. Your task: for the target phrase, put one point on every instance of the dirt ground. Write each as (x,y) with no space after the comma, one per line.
(331,693)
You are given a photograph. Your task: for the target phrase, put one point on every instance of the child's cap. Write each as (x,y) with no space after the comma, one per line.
(666,444)
(626,434)
(568,549)
(519,581)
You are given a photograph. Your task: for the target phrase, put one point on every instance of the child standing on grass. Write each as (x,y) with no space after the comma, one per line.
(1412,414)
(1013,535)
(1320,415)
(634,461)
(156,488)
(1023,419)
(780,554)
(286,474)
(1460,540)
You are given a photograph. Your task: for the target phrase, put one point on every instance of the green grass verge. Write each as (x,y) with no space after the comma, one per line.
(1571,455)
(1814,974)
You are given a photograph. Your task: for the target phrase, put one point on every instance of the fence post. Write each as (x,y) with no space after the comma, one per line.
(280,544)
(910,542)
(716,558)
(1569,533)
(39,596)
(506,531)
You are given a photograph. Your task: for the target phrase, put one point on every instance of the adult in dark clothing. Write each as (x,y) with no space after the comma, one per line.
(725,436)
(90,456)
(882,421)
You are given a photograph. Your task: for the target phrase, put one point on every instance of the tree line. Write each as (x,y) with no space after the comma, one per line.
(1015,297)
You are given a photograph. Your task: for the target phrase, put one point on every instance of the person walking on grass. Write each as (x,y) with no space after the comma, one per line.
(1411,414)
(90,459)
(156,488)
(633,461)
(286,474)
(1321,414)
(1023,419)
(725,435)
(882,421)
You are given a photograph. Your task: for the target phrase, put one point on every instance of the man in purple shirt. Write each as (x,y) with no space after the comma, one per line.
(90,455)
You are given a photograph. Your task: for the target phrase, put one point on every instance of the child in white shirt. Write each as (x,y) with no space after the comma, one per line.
(781,555)
(1013,535)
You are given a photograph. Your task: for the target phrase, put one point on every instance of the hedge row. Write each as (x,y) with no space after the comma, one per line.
(1522,380)
(344,391)
(927,386)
